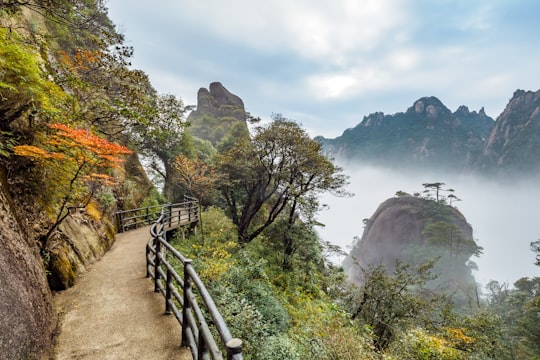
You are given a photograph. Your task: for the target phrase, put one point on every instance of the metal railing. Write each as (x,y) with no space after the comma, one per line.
(185,294)
(135,218)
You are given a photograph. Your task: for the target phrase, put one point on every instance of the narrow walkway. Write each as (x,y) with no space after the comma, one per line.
(113,313)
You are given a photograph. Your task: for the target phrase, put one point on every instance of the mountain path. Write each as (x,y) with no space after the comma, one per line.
(112,311)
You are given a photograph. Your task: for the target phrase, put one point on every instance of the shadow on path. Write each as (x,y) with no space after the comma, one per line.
(112,311)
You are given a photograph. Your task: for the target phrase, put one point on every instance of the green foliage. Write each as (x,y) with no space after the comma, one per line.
(386,302)
(277,315)
(419,345)
(279,347)
(25,89)
(519,311)
(106,198)
(162,138)
(280,167)
(154,198)
(204,150)
(535,247)
(217,129)
(7,142)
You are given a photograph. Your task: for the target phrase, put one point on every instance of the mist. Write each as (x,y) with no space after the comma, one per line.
(504,217)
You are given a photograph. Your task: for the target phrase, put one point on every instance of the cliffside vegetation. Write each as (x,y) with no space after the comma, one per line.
(70,105)
(68,100)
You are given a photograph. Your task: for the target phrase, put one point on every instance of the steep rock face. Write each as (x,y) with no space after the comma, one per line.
(28,317)
(218,111)
(513,144)
(220,102)
(427,134)
(80,242)
(397,226)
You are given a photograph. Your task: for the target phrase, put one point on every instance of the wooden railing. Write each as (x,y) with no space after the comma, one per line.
(185,294)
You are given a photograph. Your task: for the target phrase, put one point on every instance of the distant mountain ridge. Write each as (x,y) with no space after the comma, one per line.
(513,145)
(429,135)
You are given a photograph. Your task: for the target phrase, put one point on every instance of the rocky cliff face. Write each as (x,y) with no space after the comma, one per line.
(218,111)
(513,145)
(428,134)
(28,317)
(399,230)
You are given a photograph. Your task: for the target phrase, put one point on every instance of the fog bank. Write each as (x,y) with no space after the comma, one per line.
(504,217)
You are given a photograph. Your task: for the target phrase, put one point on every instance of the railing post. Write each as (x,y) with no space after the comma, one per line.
(147,260)
(157,263)
(170,215)
(168,293)
(202,349)
(119,221)
(187,305)
(234,346)
(146,219)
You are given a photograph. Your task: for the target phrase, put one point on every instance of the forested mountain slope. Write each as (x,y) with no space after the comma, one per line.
(429,136)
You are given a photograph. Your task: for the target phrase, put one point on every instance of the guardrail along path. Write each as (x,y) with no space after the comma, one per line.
(113,312)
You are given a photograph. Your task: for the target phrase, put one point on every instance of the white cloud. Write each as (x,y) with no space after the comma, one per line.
(331,85)
(394,69)
(323,29)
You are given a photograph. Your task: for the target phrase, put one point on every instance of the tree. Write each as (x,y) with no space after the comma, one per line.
(195,176)
(436,188)
(280,167)
(453,198)
(79,57)
(386,302)
(519,308)
(163,137)
(77,161)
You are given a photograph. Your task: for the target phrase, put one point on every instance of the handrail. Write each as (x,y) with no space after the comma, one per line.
(181,292)
(135,218)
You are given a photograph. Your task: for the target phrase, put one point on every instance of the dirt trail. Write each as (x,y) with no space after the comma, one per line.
(113,313)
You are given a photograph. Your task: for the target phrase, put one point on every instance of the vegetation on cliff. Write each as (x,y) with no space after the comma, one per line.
(68,98)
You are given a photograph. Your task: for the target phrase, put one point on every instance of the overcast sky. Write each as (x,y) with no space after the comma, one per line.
(327,63)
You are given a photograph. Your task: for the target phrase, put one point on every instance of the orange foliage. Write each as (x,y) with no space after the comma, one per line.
(79,150)
(82,59)
(105,153)
(458,338)
(76,159)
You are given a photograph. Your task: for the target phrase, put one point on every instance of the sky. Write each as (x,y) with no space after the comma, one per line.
(328,63)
